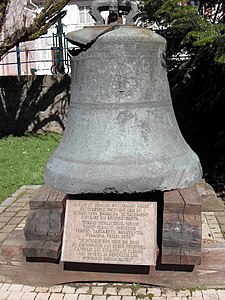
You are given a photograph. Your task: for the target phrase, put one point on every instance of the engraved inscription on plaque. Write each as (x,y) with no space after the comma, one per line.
(110,232)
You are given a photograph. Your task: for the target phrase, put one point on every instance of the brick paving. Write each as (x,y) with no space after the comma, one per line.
(12,291)
(13,212)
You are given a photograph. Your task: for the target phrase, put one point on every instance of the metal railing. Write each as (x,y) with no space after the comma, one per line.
(46,55)
(42,56)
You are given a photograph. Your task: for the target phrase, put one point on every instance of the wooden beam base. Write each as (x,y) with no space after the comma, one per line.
(210,273)
(182,227)
(44,224)
(181,232)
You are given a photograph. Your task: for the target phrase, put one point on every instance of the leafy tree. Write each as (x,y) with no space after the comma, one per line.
(196,68)
(25,32)
(186,29)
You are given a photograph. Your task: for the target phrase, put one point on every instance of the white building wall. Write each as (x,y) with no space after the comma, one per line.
(40,50)
(76,17)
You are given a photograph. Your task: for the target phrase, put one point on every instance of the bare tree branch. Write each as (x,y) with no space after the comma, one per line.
(3,7)
(40,25)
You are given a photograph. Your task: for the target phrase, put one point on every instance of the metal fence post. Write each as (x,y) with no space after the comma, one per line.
(18,59)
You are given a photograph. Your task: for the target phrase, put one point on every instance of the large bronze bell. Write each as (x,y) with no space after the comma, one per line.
(122,135)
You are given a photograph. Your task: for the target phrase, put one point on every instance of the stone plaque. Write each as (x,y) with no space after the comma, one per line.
(110,232)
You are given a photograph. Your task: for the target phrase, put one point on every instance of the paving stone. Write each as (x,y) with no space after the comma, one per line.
(101,283)
(42,296)
(125,292)
(4,219)
(4,295)
(96,297)
(31,187)
(220,214)
(215,229)
(56,289)
(128,298)
(217,235)
(155,291)
(196,298)
(221,294)
(213,221)
(82,290)
(68,289)
(140,292)
(97,290)
(222,227)
(117,284)
(14,295)
(168,292)
(25,198)
(220,240)
(159,298)
(203,216)
(41,289)
(22,203)
(221,221)
(221,217)
(20,226)
(8,228)
(206,231)
(16,220)
(111,291)
(3,236)
(70,297)
(5,287)
(9,214)
(182,293)
(210,294)
(173,298)
(13,209)
(196,293)
(18,204)
(114,298)
(23,222)
(84,297)
(209,213)
(56,296)
(18,193)
(205,221)
(28,288)
(15,287)
(29,296)
(2,208)
(8,201)
(22,213)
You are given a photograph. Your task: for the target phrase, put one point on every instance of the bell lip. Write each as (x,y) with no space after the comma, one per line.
(134,182)
(113,190)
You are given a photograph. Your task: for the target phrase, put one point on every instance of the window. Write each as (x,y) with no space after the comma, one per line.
(85,17)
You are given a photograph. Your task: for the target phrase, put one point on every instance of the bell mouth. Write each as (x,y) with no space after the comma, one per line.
(121,178)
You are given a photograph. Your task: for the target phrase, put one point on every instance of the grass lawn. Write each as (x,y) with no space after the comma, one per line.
(23,160)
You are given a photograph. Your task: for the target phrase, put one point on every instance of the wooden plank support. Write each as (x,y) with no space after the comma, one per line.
(40,249)
(44,224)
(182,228)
